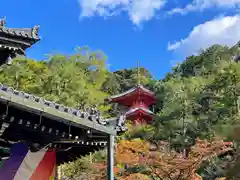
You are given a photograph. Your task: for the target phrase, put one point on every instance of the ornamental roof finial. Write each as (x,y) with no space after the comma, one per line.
(138,74)
(35,31)
(3,21)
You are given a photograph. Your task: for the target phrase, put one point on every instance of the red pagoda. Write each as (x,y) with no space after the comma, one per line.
(137,101)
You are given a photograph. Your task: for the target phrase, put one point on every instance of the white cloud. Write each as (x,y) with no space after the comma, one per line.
(138,10)
(222,30)
(200,5)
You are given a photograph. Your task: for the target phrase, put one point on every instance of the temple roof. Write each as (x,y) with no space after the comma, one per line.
(29,33)
(133,90)
(58,112)
(34,119)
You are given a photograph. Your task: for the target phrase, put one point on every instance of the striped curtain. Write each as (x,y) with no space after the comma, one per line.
(26,165)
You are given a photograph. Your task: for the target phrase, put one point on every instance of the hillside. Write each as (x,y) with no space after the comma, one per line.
(199,99)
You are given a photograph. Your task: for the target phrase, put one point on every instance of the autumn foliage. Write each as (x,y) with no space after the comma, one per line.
(168,165)
(136,159)
(135,176)
(131,152)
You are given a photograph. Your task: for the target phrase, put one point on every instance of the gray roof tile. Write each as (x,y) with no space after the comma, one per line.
(59,107)
(31,33)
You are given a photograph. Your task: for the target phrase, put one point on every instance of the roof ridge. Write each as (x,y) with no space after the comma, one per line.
(31,33)
(65,109)
(47,103)
(131,90)
(137,108)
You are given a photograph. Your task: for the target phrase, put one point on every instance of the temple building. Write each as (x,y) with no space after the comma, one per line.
(37,135)
(136,103)
(15,41)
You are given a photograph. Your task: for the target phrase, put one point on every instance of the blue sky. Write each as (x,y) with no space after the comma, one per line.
(157,33)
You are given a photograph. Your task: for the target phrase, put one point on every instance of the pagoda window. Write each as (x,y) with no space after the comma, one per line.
(135,103)
(141,103)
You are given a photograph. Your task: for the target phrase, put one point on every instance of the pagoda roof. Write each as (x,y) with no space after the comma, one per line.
(134,110)
(131,91)
(28,33)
